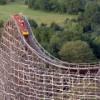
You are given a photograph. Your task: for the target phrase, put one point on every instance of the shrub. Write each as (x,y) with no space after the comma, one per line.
(1,23)
(43,25)
(26,2)
(56,27)
(33,23)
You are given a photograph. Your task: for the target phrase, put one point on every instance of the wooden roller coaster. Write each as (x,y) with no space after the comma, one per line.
(28,72)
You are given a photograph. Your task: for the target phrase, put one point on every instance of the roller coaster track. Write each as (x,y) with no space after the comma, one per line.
(29,72)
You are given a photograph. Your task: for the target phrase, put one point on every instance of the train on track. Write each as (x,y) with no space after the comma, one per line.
(21,24)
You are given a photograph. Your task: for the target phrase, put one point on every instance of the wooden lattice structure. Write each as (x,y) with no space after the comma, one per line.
(28,72)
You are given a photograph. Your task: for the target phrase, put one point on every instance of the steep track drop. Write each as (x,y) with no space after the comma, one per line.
(28,72)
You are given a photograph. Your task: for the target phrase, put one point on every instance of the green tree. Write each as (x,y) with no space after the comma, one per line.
(70,6)
(69,36)
(76,51)
(74,27)
(43,35)
(90,17)
(31,3)
(96,46)
(55,45)
(91,12)
(56,27)
(33,23)
(2,2)
(96,17)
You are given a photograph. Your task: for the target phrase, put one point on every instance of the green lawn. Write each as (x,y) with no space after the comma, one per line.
(39,16)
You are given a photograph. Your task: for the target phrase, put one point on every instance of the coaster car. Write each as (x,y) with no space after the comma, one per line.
(22,24)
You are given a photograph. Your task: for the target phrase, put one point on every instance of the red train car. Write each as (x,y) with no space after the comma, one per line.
(22,25)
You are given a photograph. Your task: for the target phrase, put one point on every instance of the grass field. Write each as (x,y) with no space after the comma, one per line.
(39,16)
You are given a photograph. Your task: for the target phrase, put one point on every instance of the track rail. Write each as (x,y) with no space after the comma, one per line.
(32,41)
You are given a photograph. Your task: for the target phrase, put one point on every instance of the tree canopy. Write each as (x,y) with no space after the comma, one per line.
(76,51)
